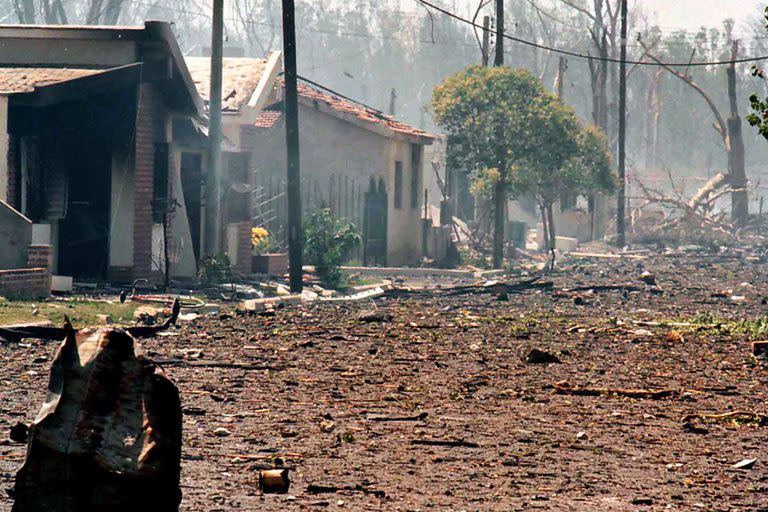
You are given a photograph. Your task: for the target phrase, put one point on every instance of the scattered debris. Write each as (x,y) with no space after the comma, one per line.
(375,316)
(460,443)
(274,481)
(536,356)
(97,382)
(745,464)
(736,419)
(568,389)
(419,417)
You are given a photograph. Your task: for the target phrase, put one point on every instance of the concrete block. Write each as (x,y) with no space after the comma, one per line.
(41,234)
(566,244)
(759,348)
(63,284)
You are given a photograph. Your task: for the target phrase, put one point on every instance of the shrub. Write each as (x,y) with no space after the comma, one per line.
(327,244)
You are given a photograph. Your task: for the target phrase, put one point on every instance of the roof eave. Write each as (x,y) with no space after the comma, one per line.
(162,31)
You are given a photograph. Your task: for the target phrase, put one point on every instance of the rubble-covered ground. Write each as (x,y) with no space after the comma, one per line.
(438,409)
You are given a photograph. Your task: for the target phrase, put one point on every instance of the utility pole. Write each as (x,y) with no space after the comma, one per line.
(621,238)
(213,180)
(393,102)
(561,69)
(486,40)
(500,192)
(295,248)
(499,33)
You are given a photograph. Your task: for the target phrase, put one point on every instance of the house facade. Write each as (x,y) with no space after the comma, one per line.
(347,146)
(246,87)
(103,150)
(87,117)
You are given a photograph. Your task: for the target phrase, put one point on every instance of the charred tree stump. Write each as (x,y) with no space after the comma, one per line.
(108,436)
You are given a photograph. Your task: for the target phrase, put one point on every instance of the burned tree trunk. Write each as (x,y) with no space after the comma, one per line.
(729,130)
(108,436)
(738,175)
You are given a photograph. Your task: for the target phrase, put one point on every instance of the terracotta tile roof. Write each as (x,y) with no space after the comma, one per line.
(240,77)
(20,80)
(267,118)
(360,111)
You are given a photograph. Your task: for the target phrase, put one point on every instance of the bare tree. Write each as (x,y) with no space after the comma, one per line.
(730,131)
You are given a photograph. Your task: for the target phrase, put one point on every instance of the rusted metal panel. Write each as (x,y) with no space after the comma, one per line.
(108,436)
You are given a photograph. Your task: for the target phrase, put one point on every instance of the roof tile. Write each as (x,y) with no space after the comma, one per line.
(21,80)
(240,77)
(362,112)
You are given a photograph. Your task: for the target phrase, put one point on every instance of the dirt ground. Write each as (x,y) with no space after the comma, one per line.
(438,409)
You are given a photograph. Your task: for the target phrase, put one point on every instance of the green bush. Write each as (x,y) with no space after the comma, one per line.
(214,269)
(327,244)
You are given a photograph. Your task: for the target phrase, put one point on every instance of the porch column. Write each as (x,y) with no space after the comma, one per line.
(144,182)
(4,146)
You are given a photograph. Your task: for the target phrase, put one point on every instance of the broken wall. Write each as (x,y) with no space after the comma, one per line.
(15,237)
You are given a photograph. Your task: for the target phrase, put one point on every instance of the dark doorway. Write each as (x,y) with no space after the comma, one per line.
(375,224)
(84,231)
(191,183)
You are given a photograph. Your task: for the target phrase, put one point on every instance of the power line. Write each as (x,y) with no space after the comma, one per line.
(590,57)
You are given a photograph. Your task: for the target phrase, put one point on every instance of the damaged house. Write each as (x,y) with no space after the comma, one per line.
(103,142)
(366,166)
(103,156)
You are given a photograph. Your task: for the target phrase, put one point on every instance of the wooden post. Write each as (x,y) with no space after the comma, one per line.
(738,175)
(621,238)
(500,192)
(213,181)
(486,40)
(295,248)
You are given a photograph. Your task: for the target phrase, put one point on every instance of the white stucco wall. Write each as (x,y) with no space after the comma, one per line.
(121,223)
(185,265)
(3,148)
(404,224)
(332,146)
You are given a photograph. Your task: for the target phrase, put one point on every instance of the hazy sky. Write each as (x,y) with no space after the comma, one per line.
(691,14)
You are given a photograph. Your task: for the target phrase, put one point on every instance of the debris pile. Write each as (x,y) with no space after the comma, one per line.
(108,436)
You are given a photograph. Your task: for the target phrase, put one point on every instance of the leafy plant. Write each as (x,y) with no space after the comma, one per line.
(327,243)
(260,241)
(214,269)
(515,137)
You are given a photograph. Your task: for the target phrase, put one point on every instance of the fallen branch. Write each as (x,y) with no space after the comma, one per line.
(736,418)
(458,443)
(332,489)
(16,334)
(565,388)
(420,417)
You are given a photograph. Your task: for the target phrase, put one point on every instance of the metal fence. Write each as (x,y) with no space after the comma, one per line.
(343,194)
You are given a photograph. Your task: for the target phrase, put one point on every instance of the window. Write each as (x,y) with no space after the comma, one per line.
(415,175)
(160,183)
(399,185)
(238,194)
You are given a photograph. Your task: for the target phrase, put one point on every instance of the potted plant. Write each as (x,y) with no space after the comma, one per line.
(263,261)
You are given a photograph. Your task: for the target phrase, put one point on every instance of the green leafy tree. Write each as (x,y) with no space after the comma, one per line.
(544,150)
(490,116)
(327,243)
(573,159)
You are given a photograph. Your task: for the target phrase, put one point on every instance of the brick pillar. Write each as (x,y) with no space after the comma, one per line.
(243,266)
(4,148)
(13,187)
(144,176)
(41,257)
